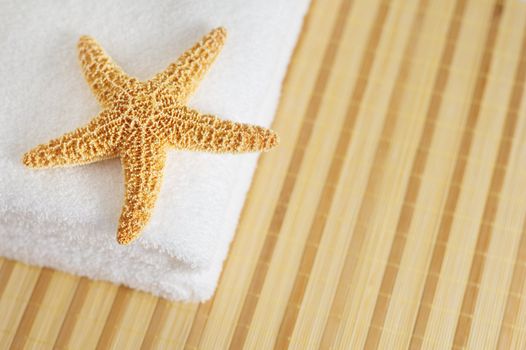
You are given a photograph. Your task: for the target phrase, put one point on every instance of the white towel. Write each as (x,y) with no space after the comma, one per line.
(66,218)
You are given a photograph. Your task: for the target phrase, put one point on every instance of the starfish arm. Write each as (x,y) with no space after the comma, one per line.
(184,74)
(143,169)
(83,145)
(188,129)
(106,79)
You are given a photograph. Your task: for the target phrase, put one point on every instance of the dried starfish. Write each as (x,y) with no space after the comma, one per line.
(140,120)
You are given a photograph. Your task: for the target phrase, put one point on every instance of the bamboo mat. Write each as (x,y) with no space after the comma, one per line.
(392,216)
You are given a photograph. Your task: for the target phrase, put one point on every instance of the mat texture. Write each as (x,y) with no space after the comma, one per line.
(392,216)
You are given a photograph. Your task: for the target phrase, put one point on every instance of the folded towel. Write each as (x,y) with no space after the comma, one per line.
(66,218)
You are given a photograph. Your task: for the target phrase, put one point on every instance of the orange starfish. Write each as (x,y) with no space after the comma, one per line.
(140,120)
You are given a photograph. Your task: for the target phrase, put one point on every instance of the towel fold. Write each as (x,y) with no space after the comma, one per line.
(66,218)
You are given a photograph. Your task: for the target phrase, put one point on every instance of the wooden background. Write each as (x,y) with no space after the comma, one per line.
(392,216)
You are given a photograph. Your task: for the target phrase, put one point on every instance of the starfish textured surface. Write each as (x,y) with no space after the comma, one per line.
(141,119)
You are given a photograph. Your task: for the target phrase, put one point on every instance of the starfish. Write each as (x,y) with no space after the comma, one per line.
(140,120)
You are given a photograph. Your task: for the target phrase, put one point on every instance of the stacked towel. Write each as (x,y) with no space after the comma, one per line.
(66,218)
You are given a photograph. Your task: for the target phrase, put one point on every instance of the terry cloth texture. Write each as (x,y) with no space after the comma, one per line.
(66,218)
